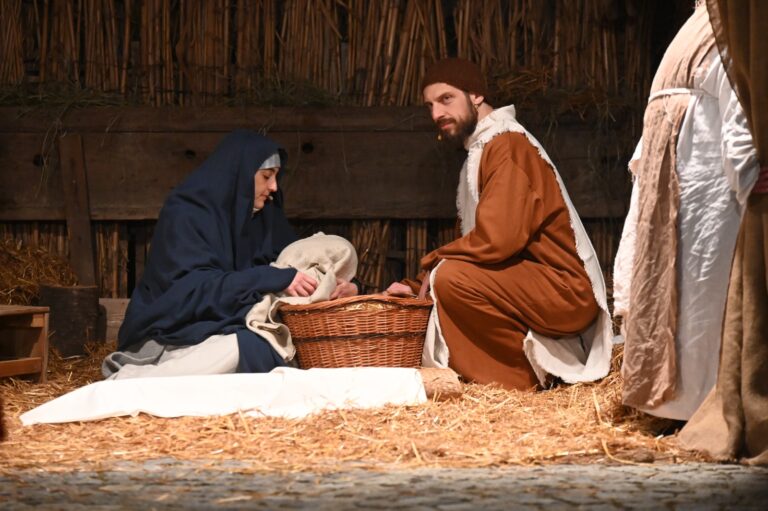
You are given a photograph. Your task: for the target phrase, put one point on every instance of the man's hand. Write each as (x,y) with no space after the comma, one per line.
(398,289)
(343,289)
(302,285)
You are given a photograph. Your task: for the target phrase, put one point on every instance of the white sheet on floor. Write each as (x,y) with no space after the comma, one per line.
(284,392)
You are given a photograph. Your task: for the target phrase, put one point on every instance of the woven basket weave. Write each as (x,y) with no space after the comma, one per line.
(359,331)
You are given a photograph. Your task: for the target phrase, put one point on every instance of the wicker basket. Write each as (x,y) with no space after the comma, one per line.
(359,331)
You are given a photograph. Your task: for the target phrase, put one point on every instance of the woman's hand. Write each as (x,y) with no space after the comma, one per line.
(343,289)
(302,285)
(398,289)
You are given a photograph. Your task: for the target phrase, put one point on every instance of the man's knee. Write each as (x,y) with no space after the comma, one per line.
(453,282)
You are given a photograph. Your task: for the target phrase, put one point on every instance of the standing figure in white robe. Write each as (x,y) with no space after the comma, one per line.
(716,166)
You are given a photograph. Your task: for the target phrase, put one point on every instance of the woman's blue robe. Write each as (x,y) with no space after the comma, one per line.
(210,255)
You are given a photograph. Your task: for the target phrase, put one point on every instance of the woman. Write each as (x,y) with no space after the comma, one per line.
(209,264)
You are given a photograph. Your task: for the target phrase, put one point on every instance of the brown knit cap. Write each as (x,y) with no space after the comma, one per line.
(459,73)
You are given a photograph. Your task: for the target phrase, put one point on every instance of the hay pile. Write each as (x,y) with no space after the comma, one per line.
(24,268)
(485,427)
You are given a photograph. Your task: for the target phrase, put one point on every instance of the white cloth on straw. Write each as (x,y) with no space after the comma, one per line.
(284,392)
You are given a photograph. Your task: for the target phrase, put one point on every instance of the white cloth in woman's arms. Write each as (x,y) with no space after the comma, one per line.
(323,257)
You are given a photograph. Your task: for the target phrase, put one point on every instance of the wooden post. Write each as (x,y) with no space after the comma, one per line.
(74,317)
(75,184)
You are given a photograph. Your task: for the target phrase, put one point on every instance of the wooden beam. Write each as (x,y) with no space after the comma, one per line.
(29,365)
(216,119)
(350,163)
(144,119)
(75,188)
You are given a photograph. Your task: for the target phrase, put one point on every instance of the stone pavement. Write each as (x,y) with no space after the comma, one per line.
(168,484)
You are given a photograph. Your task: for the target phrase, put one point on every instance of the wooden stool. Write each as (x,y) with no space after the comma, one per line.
(23,340)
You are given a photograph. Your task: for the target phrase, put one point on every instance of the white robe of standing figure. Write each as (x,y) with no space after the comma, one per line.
(716,167)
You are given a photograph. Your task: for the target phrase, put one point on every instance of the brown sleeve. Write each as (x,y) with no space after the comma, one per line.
(415,283)
(510,209)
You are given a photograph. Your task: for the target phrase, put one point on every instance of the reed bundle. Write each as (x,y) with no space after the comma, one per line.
(11,42)
(60,42)
(415,246)
(485,426)
(137,242)
(419,45)
(203,51)
(255,46)
(310,44)
(372,28)
(111,243)
(447,231)
(487,32)
(156,63)
(636,47)
(371,239)
(390,44)
(101,45)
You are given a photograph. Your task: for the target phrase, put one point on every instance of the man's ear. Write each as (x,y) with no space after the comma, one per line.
(476,99)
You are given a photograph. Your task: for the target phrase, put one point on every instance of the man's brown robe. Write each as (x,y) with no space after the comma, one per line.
(518,269)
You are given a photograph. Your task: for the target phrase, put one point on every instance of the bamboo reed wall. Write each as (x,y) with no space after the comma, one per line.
(587,54)
(361,52)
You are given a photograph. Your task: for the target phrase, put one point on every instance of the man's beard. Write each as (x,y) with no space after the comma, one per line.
(463,129)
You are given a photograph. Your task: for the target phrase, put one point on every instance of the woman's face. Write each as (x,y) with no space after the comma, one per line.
(265,184)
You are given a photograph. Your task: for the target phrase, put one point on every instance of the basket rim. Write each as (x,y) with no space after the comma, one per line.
(341,302)
(418,336)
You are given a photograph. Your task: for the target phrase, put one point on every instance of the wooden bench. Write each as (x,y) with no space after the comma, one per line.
(23,341)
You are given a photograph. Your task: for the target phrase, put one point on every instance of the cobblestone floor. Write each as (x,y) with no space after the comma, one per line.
(168,484)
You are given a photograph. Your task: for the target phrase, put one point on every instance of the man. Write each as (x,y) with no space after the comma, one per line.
(693,172)
(520,294)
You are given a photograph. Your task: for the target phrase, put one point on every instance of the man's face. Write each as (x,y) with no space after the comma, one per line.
(264,184)
(452,110)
